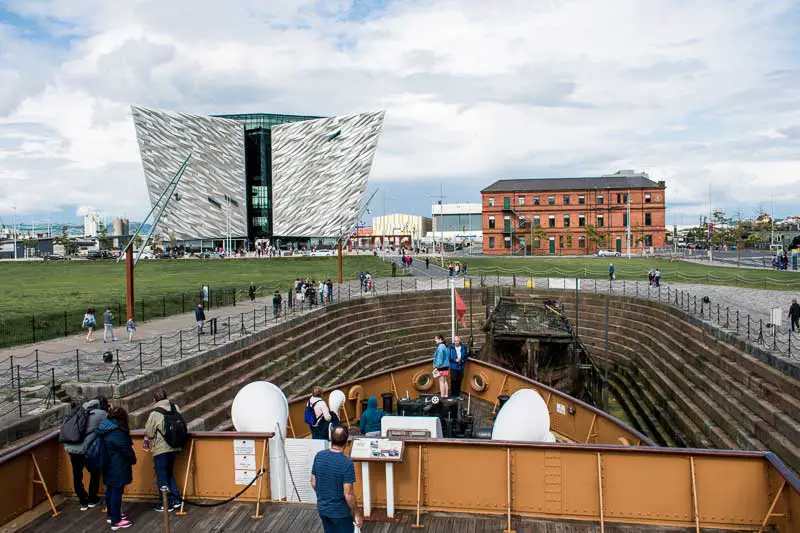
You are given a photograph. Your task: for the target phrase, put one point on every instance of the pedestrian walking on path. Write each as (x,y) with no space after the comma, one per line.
(200,318)
(131,328)
(794,315)
(89,322)
(108,325)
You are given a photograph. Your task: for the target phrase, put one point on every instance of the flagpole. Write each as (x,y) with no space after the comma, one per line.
(452,309)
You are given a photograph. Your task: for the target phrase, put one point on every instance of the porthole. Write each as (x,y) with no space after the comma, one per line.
(479,382)
(423,381)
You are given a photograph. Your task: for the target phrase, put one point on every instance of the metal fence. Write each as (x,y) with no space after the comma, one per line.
(29,382)
(30,329)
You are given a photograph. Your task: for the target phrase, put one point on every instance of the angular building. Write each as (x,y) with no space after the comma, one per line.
(278,178)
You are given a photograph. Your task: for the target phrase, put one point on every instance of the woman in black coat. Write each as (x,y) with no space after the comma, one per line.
(117,464)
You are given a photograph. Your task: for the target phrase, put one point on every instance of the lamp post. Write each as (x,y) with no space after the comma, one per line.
(14,208)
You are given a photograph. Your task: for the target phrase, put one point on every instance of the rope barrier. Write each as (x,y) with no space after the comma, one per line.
(217,504)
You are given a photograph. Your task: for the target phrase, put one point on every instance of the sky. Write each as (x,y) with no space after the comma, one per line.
(702,94)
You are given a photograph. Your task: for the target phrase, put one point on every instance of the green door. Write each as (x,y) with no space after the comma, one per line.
(552,245)
(506,203)
(619,244)
(507,225)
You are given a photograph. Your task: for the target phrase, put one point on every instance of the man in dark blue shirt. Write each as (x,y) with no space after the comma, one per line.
(333,477)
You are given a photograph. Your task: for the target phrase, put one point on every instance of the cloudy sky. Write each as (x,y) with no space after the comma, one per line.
(704,94)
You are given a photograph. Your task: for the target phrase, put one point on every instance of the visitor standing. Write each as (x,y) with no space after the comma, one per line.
(89,322)
(277,300)
(75,438)
(333,478)
(657,278)
(200,318)
(459,353)
(441,365)
(108,325)
(318,414)
(611,272)
(165,433)
(370,422)
(251,292)
(427,263)
(794,315)
(118,462)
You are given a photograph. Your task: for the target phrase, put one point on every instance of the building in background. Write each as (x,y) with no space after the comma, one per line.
(91,224)
(455,224)
(574,216)
(401,229)
(120,227)
(292,180)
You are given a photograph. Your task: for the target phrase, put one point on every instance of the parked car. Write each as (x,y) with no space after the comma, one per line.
(608,253)
(53,257)
(323,253)
(98,254)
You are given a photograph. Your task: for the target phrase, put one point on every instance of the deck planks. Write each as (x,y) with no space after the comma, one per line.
(278,518)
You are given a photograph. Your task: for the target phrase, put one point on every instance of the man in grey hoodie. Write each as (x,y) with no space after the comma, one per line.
(98,411)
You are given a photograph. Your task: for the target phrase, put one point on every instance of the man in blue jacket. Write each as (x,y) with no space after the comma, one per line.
(459,353)
(98,410)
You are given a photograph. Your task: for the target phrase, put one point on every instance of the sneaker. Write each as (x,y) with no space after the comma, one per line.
(92,505)
(122,524)
(122,516)
(175,506)
(160,508)
(84,507)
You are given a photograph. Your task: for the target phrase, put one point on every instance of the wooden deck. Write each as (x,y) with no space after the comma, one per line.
(236,517)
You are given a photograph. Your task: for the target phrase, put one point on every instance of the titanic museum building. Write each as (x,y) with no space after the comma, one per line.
(288,179)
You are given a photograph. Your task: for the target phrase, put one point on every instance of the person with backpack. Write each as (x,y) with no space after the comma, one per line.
(317,415)
(113,450)
(200,318)
(76,431)
(165,435)
(108,325)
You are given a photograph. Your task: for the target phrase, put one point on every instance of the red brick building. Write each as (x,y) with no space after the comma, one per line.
(573,216)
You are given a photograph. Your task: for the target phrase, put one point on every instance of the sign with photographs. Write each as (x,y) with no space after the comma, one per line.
(377,450)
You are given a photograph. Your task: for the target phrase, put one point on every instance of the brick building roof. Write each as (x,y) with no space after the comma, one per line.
(614,181)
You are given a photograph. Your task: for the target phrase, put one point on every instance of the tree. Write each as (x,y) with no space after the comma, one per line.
(138,241)
(537,234)
(173,242)
(103,240)
(594,237)
(70,247)
(29,245)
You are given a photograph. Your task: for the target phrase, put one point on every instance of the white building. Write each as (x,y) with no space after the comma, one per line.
(401,224)
(456,223)
(91,223)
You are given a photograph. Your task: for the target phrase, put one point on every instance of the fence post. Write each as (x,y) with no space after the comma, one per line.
(234,297)
(11,358)
(198,340)
(180,346)
(33,327)
(775,337)
(623,287)
(77,364)
(415,284)
(65,323)
(19,392)
(161,350)
(737,321)
(401,285)
(36,352)
(254,318)
(229,328)
(141,366)
(748,326)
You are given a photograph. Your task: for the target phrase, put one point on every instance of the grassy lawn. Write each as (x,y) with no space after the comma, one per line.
(634,268)
(28,288)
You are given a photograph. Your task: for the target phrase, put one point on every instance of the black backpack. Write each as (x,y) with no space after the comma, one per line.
(175,432)
(73,430)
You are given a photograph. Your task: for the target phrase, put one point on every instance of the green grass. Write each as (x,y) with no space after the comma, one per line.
(28,288)
(634,269)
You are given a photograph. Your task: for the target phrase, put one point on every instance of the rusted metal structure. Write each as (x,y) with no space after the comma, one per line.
(603,472)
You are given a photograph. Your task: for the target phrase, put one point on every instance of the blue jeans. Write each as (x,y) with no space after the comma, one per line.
(337,525)
(164,463)
(114,503)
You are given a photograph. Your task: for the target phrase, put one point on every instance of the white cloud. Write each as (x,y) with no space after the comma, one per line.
(695,93)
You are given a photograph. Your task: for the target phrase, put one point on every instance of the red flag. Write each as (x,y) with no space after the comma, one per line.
(461,310)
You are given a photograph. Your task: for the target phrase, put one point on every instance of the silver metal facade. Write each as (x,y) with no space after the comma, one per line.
(320,170)
(211,194)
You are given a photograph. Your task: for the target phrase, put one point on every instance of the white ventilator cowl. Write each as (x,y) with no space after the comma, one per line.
(258,407)
(524,417)
(336,400)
